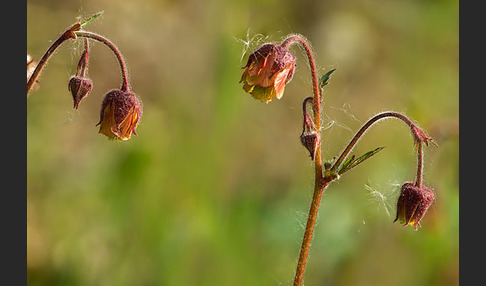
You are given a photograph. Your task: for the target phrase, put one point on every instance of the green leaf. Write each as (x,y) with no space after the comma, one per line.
(351,162)
(345,164)
(323,81)
(91,19)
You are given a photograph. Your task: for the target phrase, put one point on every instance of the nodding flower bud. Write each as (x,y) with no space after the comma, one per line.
(79,87)
(310,140)
(120,114)
(413,203)
(267,71)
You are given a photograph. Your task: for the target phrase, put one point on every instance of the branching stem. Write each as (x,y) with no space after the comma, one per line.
(125,80)
(72,33)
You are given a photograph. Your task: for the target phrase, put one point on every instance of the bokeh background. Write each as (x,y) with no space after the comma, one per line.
(216,187)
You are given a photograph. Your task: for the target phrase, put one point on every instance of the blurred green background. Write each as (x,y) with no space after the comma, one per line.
(216,187)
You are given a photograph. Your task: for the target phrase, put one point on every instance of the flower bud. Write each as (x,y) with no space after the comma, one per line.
(267,71)
(413,203)
(79,88)
(310,140)
(120,114)
(79,85)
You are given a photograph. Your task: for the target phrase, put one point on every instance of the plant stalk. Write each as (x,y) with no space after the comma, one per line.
(420,165)
(319,183)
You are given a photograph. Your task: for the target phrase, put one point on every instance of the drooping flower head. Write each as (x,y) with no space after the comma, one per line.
(120,114)
(413,203)
(267,71)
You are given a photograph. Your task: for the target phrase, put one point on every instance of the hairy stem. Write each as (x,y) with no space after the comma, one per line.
(309,230)
(73,33)
(86,57)
(68,34)
(315,88)
(420,165)
(365,127)
(319,183)
(125,80)
(307,122)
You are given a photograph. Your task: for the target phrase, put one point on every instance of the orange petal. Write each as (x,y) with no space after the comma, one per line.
(108,121)
(126,126)
(280,79)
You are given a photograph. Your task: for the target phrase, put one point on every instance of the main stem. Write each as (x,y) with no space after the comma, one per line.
(319,183)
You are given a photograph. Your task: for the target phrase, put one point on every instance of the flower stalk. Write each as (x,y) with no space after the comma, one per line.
(418,135)
(124,72)
(316,106)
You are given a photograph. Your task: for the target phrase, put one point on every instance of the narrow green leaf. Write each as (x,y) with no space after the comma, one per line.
(345,164)
(349,165)
(91,19)
(323,81)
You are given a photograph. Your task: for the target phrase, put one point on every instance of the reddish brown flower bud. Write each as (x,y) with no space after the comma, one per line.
(79,84)
(413,203)
(120,114)
(267,71)
(310,140)
(79,88)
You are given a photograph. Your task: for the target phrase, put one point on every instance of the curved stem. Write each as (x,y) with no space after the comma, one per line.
(420,165)
(367,125)
(319,183)
(315,88)
(68,34)
(85,59)
(125,81)
(72,33)
(304,104)
(306,120)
